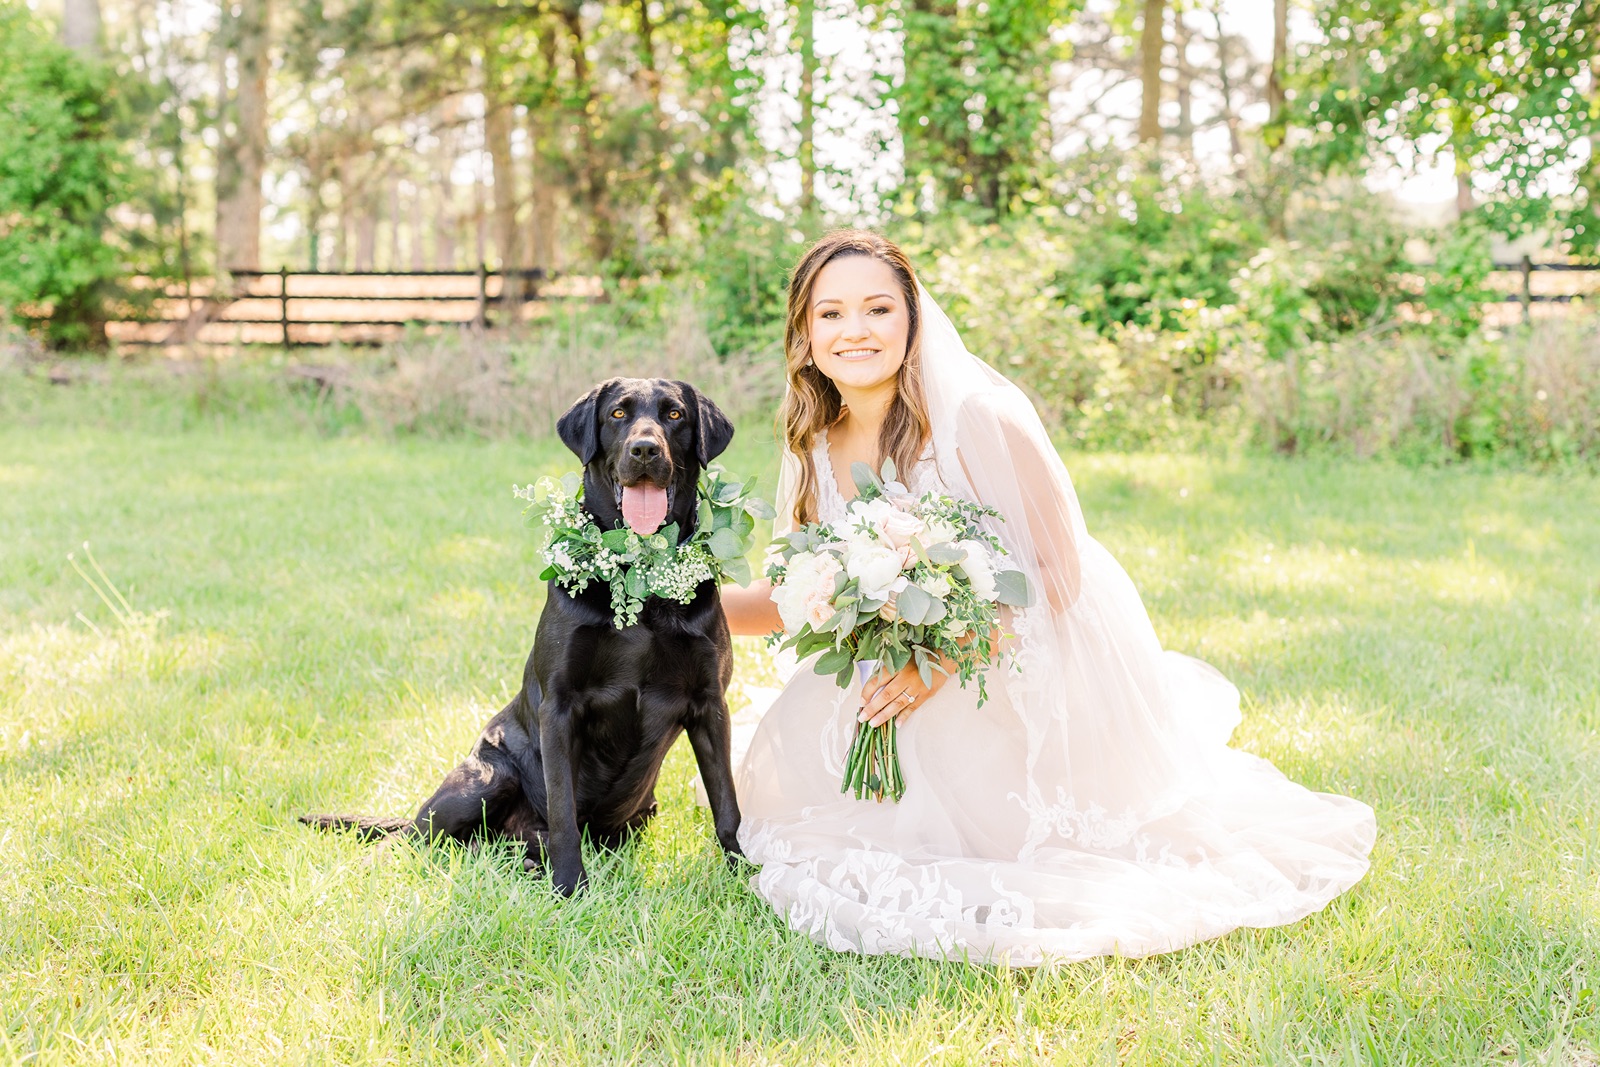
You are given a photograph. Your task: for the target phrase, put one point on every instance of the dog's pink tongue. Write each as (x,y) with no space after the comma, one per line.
(644,508)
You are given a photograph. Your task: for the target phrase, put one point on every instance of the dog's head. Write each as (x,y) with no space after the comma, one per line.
(643,442)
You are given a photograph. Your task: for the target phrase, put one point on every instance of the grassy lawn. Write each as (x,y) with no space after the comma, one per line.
(323,623)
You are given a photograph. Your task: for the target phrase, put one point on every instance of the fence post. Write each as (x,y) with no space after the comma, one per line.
(283,303)
(481,319)
(1527,289)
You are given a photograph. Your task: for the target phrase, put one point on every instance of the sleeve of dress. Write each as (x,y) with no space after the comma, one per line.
(1009,463)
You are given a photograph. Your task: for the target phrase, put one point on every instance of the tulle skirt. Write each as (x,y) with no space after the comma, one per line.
(1118,822)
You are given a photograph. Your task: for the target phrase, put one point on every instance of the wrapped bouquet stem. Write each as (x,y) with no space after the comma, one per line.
(899,580)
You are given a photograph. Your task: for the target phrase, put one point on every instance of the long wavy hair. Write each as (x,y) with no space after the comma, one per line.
(812,403)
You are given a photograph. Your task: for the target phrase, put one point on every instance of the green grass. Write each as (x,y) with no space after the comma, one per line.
(327,621)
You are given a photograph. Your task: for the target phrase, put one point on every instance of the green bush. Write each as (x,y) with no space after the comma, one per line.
(61,171)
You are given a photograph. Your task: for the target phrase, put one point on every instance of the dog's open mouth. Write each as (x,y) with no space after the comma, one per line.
(644,506)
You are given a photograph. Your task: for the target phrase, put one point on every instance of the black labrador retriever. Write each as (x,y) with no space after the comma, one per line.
(581,744)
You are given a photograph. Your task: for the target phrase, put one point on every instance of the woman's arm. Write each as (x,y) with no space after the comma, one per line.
(750,610)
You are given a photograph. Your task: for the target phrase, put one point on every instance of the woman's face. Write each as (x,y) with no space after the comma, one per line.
(858,323)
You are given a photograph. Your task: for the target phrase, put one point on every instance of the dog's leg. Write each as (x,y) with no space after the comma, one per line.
(564,846)
(710,735)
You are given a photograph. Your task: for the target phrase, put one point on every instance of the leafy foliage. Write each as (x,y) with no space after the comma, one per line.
(1499,84)
(974,100)
(61,173)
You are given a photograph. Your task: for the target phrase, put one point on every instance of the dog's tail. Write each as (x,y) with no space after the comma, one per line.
(366,827)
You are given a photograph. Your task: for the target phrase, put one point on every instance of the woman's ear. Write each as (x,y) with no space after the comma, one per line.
(712,429)
(577,428)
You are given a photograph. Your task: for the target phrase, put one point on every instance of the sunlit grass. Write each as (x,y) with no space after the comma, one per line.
(342,614)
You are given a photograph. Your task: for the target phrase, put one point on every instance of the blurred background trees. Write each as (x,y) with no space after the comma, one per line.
(1213,177)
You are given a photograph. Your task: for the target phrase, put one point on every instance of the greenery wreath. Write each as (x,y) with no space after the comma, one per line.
(577,551)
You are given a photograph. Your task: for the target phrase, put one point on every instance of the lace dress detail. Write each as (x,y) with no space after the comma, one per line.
(1028,837)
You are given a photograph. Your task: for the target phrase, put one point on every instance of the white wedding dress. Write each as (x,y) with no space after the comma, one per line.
(1090,807)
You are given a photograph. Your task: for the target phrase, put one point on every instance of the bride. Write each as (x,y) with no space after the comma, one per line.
(1091,806)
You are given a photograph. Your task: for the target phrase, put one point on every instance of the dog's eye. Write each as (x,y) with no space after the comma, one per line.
(674,414)
(619,414)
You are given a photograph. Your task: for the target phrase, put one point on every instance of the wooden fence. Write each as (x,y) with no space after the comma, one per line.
(1568,283)
(289,308)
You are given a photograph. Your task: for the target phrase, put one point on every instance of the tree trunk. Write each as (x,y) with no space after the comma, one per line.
(444,223)
(498,116)
(652,79)
(395,262)
(543,221)
(1229,115)
(805,32)
(242,148)
(80,27)
(1185,79)
(1151,43)
(591,169)
(1276,97)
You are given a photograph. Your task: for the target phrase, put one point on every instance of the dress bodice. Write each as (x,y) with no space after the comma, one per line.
(924,478)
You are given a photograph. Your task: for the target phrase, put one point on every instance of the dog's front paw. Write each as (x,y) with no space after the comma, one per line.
(571,882)
(738,863)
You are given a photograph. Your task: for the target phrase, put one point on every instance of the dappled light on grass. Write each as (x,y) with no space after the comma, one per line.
(344,616)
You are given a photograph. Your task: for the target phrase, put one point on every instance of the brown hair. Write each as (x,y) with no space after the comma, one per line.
(813,403)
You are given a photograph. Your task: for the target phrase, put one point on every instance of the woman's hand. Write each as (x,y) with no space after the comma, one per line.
(898,695)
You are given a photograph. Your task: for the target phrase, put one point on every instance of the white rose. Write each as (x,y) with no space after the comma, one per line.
(977,569)
(791,607)
(940,530)
(872,513)
(901,526)
(818,611)
(955,629)
(807,581)
(875,567)
(936,586)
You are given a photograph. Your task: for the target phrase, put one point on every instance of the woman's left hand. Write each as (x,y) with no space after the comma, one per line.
(899,694)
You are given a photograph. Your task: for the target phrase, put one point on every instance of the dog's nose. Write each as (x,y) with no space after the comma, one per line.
(643,450)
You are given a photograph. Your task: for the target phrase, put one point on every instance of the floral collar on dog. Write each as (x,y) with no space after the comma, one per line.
(577,551)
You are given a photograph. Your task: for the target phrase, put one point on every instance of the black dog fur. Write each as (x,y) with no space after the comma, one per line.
(580,746)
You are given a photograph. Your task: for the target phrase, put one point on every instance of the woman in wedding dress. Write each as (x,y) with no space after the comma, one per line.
(1091,806)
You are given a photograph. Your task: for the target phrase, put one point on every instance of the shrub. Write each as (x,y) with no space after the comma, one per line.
(61,170)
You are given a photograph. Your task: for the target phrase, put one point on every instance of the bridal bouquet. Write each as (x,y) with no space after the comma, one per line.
(898,580)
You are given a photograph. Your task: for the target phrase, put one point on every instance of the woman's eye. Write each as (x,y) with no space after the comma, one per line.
(829,314)
(619,414)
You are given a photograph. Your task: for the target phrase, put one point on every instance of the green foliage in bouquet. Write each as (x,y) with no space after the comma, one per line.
(897,581)
(577,551)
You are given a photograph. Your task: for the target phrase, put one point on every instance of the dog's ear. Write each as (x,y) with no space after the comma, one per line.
(712,429)
(577,428)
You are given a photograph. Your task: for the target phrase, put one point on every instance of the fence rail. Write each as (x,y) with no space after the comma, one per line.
(304,307)
(292,308)
(1526,268)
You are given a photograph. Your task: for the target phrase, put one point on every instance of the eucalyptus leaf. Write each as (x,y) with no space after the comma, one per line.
(833,661)
(760,509)
(914,605)
(636,584)
(936,612)
(863,476)
(724,545)
(703,515)
(1011,587)
(737,569)
(616,540)
(946,554)
(890,471)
